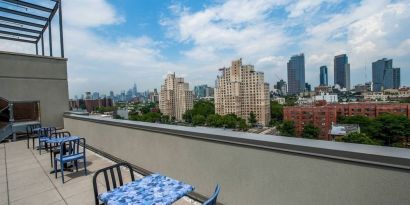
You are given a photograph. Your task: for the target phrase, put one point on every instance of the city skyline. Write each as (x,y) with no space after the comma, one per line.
(131,41)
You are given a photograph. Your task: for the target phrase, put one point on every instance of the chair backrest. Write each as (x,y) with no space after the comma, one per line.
(47,131)
(212,199)
(60,134)
(114,173)
(72,147)
(30,128)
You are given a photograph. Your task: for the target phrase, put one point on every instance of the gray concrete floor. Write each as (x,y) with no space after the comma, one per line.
(25,178)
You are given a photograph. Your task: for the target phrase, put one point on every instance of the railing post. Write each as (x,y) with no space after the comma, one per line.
(11,120)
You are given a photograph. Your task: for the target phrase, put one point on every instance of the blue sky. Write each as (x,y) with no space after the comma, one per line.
(112,44)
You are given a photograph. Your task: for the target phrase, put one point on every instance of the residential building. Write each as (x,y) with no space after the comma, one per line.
(96,96)
(323,76)
(175,97)
(360,88)
(340,130)
(342,71)
(241,90)
(323,116)
(279,100)
(296,74)
(281,87)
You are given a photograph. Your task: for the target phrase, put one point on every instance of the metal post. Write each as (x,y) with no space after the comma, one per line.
(60,13)
(36,48)
(50,39)
(11,119)
(42,44)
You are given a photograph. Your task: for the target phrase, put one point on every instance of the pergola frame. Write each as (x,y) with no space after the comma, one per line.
(32,28)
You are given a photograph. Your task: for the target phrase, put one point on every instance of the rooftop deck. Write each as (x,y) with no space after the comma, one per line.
(25,178)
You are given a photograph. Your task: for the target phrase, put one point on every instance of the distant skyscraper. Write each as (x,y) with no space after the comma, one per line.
(342,71)
(112,94)
(88,96)
(201,91)
(308,87)
(96,96)
(134,90)
(323,76)
(175,97)
(396,78)
(241,90)
(384,76)
(282,87)
(296,74)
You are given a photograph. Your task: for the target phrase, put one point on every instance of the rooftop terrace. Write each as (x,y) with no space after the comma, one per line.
(25,178)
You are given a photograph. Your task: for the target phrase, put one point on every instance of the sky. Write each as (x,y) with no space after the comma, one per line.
(112,44)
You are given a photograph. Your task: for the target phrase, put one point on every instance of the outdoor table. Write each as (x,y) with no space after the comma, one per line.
(60,140)
(152,189)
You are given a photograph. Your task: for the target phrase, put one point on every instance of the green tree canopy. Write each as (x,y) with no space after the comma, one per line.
(287,128)
(276,112)
(198,120)
(358,138)
(252,119)
(310,132)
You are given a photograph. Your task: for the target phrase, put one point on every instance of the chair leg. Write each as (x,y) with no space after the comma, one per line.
(51,158)
(62,171)
(33,142)
(39,146)
(55,168)
(28,142)
(76,165)
(85,166)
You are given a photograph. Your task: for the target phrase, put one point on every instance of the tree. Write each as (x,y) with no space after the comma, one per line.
(392,129)
(276,112)
(367,125)
(358,138)
(310,132)
(214,121)
(252,119)
(187,116)
(229,121)
(242,125)
(287,128)
(198,120)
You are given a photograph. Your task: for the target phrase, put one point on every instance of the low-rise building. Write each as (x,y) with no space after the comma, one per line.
(329,98)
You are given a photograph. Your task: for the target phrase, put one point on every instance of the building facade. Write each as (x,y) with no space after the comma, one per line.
(342,71)
(323,76)
(384,76)
(296,74)
(203,91)
(241,90)
(175,97)
(281,87)
(323,116)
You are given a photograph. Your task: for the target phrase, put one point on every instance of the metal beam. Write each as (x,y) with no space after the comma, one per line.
(42,45)
(50,18)
(60,11)
(19,28)
(16,39)
(19,13)
(50,39)
(29,5)
(12,20)
(17,34)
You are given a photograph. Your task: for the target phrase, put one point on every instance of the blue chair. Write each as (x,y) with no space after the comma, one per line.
(43,135)
(212,199)
(70,152)
(30,134)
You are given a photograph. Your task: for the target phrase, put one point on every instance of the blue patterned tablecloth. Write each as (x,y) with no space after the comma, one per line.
(61,139)
(153,189)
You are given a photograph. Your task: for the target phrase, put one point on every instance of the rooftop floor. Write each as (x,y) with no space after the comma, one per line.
(25,178)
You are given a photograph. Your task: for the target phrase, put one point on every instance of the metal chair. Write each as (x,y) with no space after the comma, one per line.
(70,152)
(30,134)
(212,199)
(55,147)
(118,175)
(43,135)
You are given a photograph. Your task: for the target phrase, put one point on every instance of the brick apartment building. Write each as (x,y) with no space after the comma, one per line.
(323,116)
(89,104)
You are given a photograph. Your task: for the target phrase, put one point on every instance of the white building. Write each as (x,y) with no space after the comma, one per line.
(329,98)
